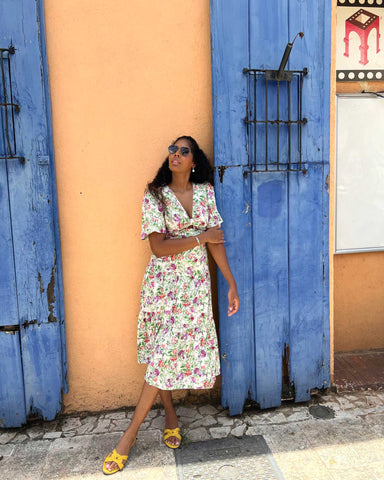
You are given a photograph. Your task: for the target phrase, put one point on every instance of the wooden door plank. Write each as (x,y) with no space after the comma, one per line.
(229,34)
(41,357)
(12,403)
(229,43)
(313,51)
(8,297)
(308,205)
(270,257)
(268,37)
(56,308)
(308,365)
(268,32)
(326,71)
(236,332)
(30,184)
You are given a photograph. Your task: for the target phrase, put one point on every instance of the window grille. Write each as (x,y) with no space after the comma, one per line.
(274,119)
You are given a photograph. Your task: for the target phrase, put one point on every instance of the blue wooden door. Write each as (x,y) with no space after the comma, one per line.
(32,338)
(276,222)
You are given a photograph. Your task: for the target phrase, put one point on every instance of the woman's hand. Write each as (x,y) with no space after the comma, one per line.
(213,235)
(233,301)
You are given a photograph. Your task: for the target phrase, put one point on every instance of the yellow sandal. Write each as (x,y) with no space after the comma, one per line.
(118,459)
(172,433)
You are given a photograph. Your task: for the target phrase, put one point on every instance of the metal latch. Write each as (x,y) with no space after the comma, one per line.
(10,328)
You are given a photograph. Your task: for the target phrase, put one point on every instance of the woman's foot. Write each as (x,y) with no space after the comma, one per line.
(172,438)
(123,448)
(172,425)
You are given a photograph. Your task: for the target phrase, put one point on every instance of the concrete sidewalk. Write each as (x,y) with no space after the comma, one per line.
(349,445)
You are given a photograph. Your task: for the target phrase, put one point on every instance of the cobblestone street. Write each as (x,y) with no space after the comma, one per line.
(348,445)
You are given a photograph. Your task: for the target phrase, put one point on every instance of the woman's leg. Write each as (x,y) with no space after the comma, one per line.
(171,420)
(146,400)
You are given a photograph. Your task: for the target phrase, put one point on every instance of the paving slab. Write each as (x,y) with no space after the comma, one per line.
(63,458)
(219,432)
(196,435)
(6,450)
(7,437)
(26,462)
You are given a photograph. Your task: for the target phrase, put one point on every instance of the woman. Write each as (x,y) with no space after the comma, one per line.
(176,333)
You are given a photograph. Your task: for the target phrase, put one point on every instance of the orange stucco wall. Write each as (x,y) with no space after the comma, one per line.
(126,79)
(359,301)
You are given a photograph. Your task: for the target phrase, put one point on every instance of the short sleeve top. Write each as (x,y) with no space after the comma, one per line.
(174,220)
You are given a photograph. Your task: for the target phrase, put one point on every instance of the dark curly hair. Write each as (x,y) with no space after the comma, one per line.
(203,170)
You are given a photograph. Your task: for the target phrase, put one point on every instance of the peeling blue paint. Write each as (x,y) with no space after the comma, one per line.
(31,293)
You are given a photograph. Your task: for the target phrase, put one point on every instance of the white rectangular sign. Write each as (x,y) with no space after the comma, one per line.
(359,173)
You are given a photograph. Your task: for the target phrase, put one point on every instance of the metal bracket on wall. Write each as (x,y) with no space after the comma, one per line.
(8,149)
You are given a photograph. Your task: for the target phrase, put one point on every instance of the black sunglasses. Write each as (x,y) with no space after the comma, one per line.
(184,151)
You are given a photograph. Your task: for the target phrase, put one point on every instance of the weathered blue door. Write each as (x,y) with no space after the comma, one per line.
(271,144)
(32,340)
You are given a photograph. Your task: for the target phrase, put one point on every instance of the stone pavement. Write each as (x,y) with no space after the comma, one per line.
(347,446)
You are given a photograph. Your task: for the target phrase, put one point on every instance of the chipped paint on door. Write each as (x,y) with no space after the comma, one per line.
(32,337)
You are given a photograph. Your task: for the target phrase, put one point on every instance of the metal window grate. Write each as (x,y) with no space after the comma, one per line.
(274,120)
(8,148)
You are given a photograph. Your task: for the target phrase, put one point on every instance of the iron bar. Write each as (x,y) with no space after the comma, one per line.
(266,126)
(259,70)
(272,122)
(9,135)
(254,116)
(278,124)
(275,122)
(5,101)
(248,128)
(300,117)
(17,108)
(289,122)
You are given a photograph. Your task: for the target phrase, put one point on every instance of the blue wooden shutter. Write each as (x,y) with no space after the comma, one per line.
(34,337)
(276,223)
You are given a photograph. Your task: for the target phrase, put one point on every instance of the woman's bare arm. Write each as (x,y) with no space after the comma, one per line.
(219,255)
(162,246)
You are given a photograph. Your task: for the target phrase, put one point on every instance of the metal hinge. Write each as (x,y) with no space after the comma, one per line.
(10,328)
(222,168)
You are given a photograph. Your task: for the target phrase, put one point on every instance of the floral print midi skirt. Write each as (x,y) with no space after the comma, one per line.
(176,333)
